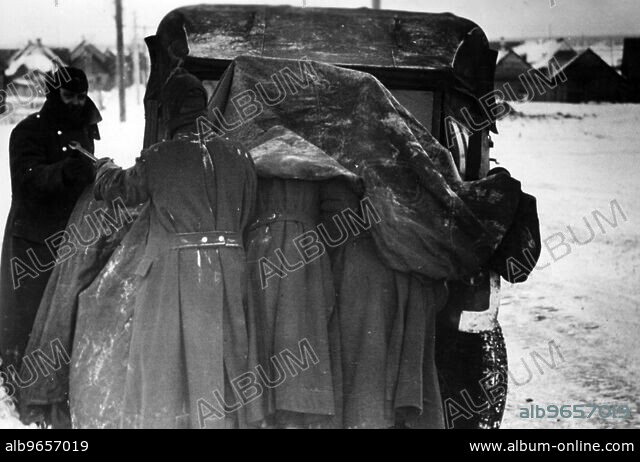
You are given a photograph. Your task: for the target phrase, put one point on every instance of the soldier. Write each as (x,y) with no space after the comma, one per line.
(47,178)
(189,333)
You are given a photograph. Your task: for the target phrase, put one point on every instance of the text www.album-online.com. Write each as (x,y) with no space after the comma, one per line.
(573,446)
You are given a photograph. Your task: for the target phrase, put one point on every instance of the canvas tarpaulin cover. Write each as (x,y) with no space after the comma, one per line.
(433,223)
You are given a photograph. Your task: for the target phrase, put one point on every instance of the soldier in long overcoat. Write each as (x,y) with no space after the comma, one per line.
(47,178)
(189,339)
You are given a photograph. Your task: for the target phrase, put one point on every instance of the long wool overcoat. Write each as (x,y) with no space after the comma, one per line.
(43,199)
(189,338)
(292,297)
(386,324)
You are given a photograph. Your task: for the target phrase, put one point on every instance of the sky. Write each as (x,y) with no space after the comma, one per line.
(66,22)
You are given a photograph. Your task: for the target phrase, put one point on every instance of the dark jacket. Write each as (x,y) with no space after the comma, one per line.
(46,180)
(44,194)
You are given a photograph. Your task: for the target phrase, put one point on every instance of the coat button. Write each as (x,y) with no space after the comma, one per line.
(221,239)
(204,240)
(59,132)
(64,149)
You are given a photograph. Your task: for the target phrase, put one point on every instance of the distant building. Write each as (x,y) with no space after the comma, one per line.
(586,78)
(30,62)
(567,74)
(63,53)
(544,55)
(99,66)
(610,51)
(143,61)
(511,76)
(631,65)
(5,55)
(129,66)
(4,58)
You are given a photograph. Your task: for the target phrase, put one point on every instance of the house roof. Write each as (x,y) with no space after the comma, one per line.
(610,53)
(588,56)
(33,57)
(539,53)
(84,48)
(63,53)
(503,54)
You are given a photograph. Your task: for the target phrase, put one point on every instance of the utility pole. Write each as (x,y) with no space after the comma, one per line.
(136,58)
(120,62)
(375,4)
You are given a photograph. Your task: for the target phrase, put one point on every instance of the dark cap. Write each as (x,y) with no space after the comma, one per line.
(69,78)
(183,99)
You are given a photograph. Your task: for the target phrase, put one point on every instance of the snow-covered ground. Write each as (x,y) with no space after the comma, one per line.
(576,159)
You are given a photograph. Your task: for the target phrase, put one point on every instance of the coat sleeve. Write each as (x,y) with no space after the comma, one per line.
(31,173)
(113,182)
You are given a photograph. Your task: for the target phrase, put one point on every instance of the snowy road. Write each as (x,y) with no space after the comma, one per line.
(587,300)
